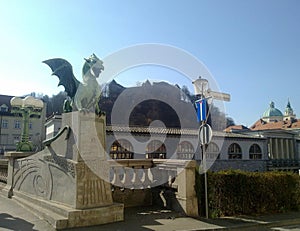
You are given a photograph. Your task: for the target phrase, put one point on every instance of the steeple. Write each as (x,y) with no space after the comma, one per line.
(289,113)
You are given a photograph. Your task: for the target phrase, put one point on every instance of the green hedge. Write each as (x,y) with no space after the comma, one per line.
(235,192)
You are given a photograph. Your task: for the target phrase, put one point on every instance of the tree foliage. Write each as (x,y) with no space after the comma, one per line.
(149,110)
(54,104)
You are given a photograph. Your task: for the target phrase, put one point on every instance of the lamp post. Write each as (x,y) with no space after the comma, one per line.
(27,107)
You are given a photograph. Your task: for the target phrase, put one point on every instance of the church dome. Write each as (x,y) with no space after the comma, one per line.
(272,111)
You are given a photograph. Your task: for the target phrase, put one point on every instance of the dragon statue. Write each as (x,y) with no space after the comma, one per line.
(81,96)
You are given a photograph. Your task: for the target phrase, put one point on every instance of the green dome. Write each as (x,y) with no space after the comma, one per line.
(272,111)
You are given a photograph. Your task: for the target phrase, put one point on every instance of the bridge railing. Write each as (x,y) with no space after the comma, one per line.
(149,173)
(139,174)
(3,170)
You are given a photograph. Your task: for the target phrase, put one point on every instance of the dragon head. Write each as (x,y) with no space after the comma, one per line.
(93,65)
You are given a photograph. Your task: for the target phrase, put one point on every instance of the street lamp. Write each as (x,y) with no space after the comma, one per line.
(200,86)
(27,107)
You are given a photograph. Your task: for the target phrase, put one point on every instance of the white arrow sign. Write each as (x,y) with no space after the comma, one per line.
(217,95)
(201,87)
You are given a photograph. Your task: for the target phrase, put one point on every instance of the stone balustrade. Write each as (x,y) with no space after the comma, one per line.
(3,170)
(146,174)
(131,174)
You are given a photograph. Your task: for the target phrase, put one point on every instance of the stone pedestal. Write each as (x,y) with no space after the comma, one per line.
(185,199)
(68,181)
(186,195)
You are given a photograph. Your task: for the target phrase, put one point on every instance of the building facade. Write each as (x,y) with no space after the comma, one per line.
(282,133)
(225,151)
(52,125)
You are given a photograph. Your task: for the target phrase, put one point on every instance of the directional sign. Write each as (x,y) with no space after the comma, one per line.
(202,89)
(217,95)
(205,134)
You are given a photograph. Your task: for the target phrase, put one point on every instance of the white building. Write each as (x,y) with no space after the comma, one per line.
(282,133)
(225,151)
(52,125)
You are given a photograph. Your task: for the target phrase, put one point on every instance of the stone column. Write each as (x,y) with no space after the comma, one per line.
(288,154)
(292,149)
(283,154)
(271,154)
(277,148)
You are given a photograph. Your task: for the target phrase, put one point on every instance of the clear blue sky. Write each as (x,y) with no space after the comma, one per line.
(251,47)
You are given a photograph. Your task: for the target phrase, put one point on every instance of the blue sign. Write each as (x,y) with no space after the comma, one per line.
(201,109)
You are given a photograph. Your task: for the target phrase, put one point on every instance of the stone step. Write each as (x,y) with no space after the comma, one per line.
(56,220)
(61,216)
(50,205)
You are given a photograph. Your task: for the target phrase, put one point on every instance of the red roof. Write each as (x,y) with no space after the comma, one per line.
(285,124)
(235,127)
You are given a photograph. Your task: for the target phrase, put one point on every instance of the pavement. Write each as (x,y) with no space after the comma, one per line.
(15,217)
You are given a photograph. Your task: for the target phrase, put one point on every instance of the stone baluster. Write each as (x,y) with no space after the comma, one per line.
(147,178)
(137,180)
(171,177)
(127,179)
(116,179)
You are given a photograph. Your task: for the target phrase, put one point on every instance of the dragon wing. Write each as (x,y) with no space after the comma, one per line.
(63,70)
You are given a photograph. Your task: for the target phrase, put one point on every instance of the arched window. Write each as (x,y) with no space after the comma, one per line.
(156,150)
(255,152)
(212,151)
(185,150)
(121,149)
(234,151)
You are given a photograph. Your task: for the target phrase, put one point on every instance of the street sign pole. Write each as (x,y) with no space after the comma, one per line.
(205,136)
(205,176)
(201,88)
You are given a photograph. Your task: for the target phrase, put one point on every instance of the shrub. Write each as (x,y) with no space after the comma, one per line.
(234,192)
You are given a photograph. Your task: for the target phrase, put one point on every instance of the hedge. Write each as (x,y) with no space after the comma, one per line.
(234,192)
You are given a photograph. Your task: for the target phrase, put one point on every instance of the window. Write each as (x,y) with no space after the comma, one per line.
(16,138)
(4,108)
(121,149)
(212,151)
(255,152)
(4,124)
(234,151)
(156,150)
(17,124)
(185,150)
(30,125)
